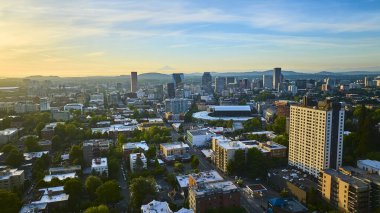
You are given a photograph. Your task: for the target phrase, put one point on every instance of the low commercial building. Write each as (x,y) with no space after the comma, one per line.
(186,181)
(349,192)
(161,207)
(65,169)
(60,115)
(213,196)
(199,137)
(33,155)
(64,176)
(133,159)
(73,106)
(8,135)
(224,149)
(45,145)
(285,205)
(371,166)
(100,166)
(128,148)
(52,197)
(297,183)
(11,178)
(174,150)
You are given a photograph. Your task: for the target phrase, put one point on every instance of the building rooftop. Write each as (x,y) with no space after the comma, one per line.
(175,145)
(48,178)
(204,115)
(288,205)
(156,207)
(51,195)
(231,108)
(198,132)
(9,131)
(99,162)
(353,181)
(62,169)
(371,163)
(115,128)
(7,173)
(201,177)
(135,145)
(207,152)
(133,156)
(31,155)
(32,208)
(215,187)
(296,177)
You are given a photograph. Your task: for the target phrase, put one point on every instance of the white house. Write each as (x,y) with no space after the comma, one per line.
(133,158)
(100,166)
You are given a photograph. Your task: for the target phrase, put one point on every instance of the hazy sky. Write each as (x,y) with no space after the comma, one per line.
(82,38)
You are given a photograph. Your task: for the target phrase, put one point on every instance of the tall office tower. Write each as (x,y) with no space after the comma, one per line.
(170,90)
(133,81)
(267,82)
(206,82)
(178,80)
(316,136)
(246,83)
(230,80)
(219,84)
(276,78)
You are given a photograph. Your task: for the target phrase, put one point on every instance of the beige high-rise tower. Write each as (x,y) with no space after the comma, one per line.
(316,136)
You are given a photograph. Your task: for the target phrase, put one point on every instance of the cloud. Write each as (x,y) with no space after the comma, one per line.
(95,54)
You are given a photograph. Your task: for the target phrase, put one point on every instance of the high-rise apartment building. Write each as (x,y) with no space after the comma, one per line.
(44,104)
(316,136)
(177,105)
(267,82)
(133,81)
(277,78)
(170,90)
(220,83)
(206,82)
(350,190)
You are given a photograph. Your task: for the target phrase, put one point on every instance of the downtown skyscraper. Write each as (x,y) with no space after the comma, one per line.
(133,81)
(277,78)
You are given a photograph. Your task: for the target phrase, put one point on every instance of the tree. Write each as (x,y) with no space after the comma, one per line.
(113,167)
(7,148)
(151,153)
(56,143)
(178,166)
(76,155)
(282,139)
(253,124)
(256,163)
(14,158)
(97,209)
(31,144)
(109,192)
(239,162)
(279,125)
(9,201)
(73,188)
(92,183)
(143,190)
(194,163)
(139,163)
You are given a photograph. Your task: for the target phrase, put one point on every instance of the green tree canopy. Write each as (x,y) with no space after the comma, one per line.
(9,201)
(253,124)
(109,192)
(97,209)
(14,158)
(143,190)
(92,183)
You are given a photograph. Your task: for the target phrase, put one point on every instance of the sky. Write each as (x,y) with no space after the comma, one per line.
(96,38)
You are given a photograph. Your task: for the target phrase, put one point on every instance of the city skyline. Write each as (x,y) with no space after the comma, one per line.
(96,38)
